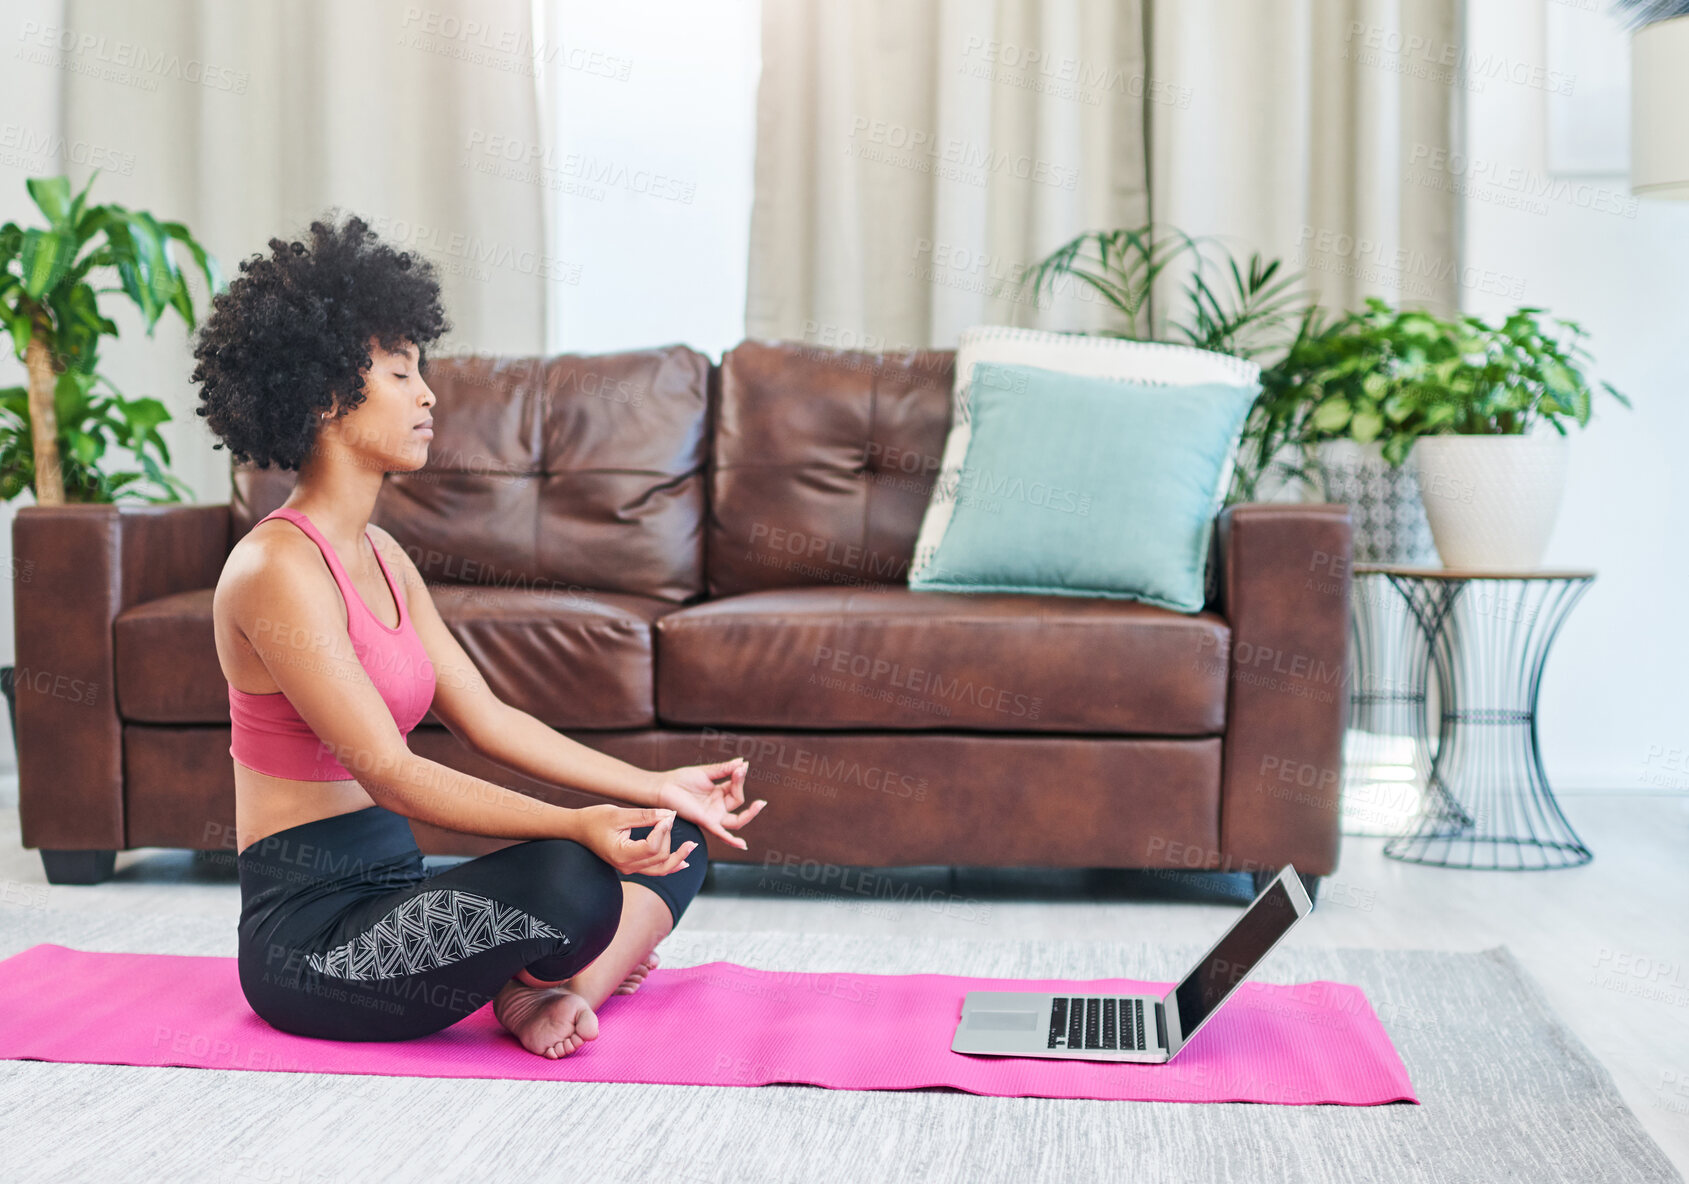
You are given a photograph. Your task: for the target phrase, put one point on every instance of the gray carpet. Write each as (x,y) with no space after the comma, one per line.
(1508,1093)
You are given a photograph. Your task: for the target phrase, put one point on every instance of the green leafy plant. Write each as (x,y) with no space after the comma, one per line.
(1511,377)
(1240,309)
(1390,376)
(56,432)
(87,425)
(1339,379)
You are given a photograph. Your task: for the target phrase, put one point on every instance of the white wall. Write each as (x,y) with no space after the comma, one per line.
(1615,703)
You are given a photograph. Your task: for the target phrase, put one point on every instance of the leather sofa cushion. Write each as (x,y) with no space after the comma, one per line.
(570,660)
(887,799)
(902,659)
(574,472)
(823,461)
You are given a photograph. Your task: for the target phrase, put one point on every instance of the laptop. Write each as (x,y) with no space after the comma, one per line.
(1149,1029)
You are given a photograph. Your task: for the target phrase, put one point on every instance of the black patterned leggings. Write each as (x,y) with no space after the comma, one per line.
(345,936)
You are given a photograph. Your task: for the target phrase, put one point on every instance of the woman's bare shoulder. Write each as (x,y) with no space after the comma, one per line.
(270,549)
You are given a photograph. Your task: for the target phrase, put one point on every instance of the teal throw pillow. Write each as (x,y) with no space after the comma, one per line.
(1085,486)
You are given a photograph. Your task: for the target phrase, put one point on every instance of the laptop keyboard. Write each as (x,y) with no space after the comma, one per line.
(1083,1022)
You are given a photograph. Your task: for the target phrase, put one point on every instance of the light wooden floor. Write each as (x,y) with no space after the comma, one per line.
(1609,942)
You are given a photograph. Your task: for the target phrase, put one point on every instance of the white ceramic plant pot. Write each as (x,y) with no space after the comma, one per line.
(1491,500)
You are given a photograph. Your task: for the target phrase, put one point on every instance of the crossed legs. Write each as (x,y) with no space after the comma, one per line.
(544,929)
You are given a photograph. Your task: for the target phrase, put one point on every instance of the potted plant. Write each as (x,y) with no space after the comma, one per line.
(1333,415)
(55,432)
(1489,406)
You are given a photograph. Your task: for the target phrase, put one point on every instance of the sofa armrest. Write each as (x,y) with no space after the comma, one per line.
(75,568)
(1284,590)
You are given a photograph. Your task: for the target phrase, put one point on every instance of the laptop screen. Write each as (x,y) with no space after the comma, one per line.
(1248,942)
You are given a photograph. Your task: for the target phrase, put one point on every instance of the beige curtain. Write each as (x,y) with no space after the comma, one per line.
(249,120)
(914,157)
(1319,131)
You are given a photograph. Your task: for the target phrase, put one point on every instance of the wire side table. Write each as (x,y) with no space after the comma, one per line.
(1486,637)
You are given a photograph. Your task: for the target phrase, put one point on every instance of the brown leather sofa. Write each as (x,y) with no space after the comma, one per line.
(678,562)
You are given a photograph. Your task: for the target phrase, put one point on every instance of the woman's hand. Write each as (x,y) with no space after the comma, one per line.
(604,831)
(693,793)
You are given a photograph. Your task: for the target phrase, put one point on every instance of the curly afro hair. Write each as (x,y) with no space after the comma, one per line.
(293,331)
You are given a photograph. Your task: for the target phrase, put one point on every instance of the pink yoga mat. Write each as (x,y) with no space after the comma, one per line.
(715,1024)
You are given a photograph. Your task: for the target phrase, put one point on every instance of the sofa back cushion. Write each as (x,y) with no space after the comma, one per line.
(576,472)
(823,461)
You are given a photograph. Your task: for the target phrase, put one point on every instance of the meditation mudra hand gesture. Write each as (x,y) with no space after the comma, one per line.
(703,794)
(693,793)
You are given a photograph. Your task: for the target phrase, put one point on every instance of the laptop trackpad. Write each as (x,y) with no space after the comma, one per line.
(1003,1021)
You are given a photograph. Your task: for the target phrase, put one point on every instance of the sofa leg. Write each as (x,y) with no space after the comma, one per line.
(1311,883)
(78,867)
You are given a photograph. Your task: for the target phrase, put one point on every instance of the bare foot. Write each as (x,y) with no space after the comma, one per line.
(630,984)
(549,1021)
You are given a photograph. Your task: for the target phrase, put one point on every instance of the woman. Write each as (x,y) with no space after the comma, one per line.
(333,651)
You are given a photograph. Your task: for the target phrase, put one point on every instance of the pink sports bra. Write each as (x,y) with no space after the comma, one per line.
(268,735)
